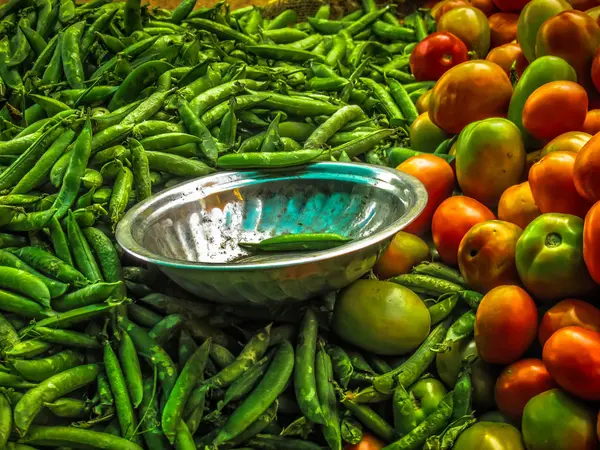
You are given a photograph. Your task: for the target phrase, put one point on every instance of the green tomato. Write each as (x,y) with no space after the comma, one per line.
(428,393)
(483,378)
(381,317)
(553,420)
(490,436)
(494,416)
(549,257)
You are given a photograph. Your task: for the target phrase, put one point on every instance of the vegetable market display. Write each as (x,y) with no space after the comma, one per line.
(490,104)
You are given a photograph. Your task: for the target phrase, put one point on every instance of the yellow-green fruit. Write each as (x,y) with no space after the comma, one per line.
(425,136)
(381,317)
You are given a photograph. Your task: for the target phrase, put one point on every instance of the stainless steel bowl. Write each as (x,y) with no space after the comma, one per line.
(191,231)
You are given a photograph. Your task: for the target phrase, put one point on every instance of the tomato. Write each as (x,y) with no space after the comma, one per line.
(506,55)
(503,28)
(550,258)
(435,54)
(490,436)
(534,14)
(517,205)
(428,393)
(511,5)
(381,317)
(591,125)
(553,187)
(555,420)
(438,178)
(452,220)
(470,25)
(448,364)
(488,7)
(569,312)
(505,325)
(446,6)
(573,36)
(586,170)
(520,382)
(368,442)
(572,356)
(471,91)
(425,136)
(423,102)
(571,141)
(405,251)
(486,256)
(591,240)
(554,109)
(490,157)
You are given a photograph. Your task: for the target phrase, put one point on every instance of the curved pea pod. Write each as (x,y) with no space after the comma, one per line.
(48,391)
(25,283)
(177,165)
(41,369)
(51,266)
(531,18)
(69,408)
(541,71)
(5,420)
(57,436)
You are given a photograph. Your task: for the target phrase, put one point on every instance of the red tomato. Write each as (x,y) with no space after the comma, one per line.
(517,205)
(435,54)
(511,5)
(552,185)
(586,170)
(591,242)
(567,313)
(505,56)
(452,220)
(438,178)
(505,325)
(572,356)
(592,122)
(503,28)
(519,383)
(555,108)
(368,442)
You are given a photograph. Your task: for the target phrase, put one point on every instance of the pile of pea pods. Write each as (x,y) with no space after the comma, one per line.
(105,103)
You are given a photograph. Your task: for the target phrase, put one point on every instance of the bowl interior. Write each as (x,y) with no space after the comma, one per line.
(205,224)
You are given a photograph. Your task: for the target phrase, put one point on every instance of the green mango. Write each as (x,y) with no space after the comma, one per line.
(541,71)
(534,14)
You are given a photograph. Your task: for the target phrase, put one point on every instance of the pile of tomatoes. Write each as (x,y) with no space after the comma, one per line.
(518,211)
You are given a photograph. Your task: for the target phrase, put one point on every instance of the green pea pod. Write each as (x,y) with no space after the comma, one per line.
(5,419)
(196,127)
(444,306)
(228,128)
(71,59)
(327,399)
(41,369)
(297,242)
(541,71)
(371,420)
(82,254)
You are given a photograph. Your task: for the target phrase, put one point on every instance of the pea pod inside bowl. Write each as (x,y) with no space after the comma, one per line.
(192,231)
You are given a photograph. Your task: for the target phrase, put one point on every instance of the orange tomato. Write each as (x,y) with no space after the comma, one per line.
(503,28)
(451,222)
(486,255)
(368,442)
(586,171)
(517,205)
(471,91)
(555,108)
(552,185)
(591,124)
(505,324)
(446,6)
(573,36)
(488,7)
(571,141)
(405,251)
(470,25)
(591,242)
(572,356)
(569,312)
(506,55)
(511,5)
(519,383)
(423,102)
(438,178)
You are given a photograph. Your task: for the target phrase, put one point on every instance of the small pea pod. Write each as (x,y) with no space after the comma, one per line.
(105,253)
(405,414)
(41,369)
(371,420)
(131,368)
(71,59)
(461,328)
(463,391)
(351,431)
(51,266)
(82,254)
(57,436)
(141,171)
(243,385)
(120,195)
(342,365)
(196,127)
(443,308)
(328,400)
(5,420)
(132,16)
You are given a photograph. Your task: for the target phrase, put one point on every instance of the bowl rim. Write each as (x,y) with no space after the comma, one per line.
(125,239)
